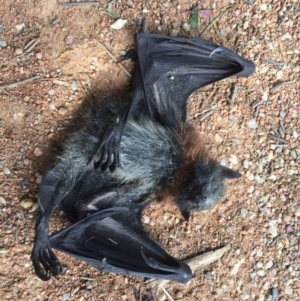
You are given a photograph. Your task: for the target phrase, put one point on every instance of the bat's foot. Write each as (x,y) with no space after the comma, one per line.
(45,262)
(108,152)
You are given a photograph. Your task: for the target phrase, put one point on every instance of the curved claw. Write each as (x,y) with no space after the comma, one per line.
(108,153)
(45,262)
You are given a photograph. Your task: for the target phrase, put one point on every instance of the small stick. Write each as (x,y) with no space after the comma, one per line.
(12,215)
(87,278)
(279,86)
(112,56)
(206,115)
(195,264)
(274,130)
(256,104)
(223,11)
(31,45)
(69,4)
(167,294)
(282,126)
(234,93)
(12,85)
(272,62)
(278,139)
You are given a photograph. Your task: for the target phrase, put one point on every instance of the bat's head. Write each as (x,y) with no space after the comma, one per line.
(205,188)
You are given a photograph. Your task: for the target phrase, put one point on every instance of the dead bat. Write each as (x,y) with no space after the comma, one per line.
(168,68)
(161,155)
(158,161)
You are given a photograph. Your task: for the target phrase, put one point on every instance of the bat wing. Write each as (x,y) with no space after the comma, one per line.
(113,240)
(169,69)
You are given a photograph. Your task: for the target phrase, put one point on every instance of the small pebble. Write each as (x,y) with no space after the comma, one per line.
(246,163)
(297,212)
(250,189)
(293,240)
(118,24)
(186,27)
(295,134)
(6,171)
(264,69)
(207,274)
(244,212)
(1,28)
(222,32)
(263,7)
(259,253)
(39,179)
(2,200)
(73,86)
(66,297)
(2,43)
(252,124)
(273,231)
(233,159)
(51,92)
(259,179)
(69,39)
(270,155)
(223,162)
(55,21)
(37,152)
(252,274)
(27,203)
(274,293)
(288,290)
(52,105)
(174,33)
(283,197)
(261,273)
(259,265)
(268,265)
(62,110)
(282,114)
(39,55)
(293,154)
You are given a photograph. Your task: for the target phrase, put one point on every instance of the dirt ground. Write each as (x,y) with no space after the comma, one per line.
(255,133)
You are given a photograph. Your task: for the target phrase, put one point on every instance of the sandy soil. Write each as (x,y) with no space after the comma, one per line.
(260,214)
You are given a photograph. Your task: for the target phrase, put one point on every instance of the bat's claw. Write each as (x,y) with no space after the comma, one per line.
(45,262)
(108,153)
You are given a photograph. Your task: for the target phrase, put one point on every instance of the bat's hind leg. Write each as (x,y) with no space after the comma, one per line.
(51,193)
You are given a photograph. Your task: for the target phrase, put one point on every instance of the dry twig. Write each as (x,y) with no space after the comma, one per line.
(206,115)
(69,4)
(112,56)
(12,85)
(222,12)
(234,94)
(278,139)
(167,294)
(279,86)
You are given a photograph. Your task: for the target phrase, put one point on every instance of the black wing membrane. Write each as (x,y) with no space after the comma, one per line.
(168,70)
(113,240)
(171,68)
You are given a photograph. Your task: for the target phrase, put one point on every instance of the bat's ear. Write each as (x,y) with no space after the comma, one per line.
(186,214)
(229,173)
